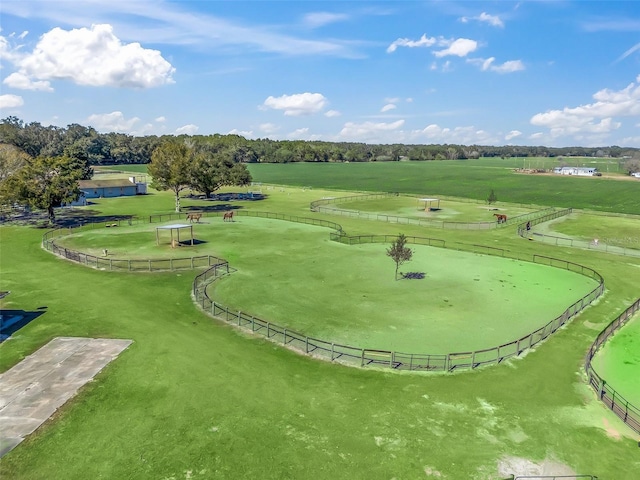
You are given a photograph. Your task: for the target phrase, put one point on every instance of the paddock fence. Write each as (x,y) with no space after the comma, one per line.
(559,241)
(553,477)
(367,357)
(628,413)
(324,206)
(106,262)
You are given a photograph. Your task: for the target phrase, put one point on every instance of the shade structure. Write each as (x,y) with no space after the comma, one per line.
(174,227)
(428,203)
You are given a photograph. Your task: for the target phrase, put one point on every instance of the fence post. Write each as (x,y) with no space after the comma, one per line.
(253,324)
(306,344)
(268,330)
(239,313)
(129,265)
(332,351)
(284,340)
(149,264)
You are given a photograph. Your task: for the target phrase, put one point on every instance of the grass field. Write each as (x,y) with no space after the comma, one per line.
(193,398)
(449,210)
(618,231)
(461,178)
(619,361)
(465,302)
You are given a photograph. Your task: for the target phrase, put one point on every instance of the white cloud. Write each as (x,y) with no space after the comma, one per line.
(332,113)
(242,133)
(297,104)
(593,118)
(488,65)
(268,128)
(160,119)
(387,107)
(492,20)
(458,135)
(635,48)
(460,47)
(22,82)
(320,19)
(299,133)
(512,134)
(368,130)
(11,101)
(112,122)
(176,23)
(424,41)
(94,57)
(23,34)
(189,129)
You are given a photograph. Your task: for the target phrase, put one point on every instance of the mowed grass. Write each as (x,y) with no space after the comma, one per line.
(465,302)
(618,231)
(449,210)
(193,398)
(619,361)
(460,178)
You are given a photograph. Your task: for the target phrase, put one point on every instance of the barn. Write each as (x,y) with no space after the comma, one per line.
(112,188)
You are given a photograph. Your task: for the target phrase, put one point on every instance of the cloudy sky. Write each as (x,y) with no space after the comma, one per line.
(555,73)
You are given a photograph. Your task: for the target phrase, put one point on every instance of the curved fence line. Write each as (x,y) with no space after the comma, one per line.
(597,246)
(320,206)
(157,264)
(363,357)
(627,412)
(331,350)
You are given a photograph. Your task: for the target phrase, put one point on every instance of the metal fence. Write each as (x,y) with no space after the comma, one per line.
(595,245)
(607,394)
(322,206)
(552,477)
(398,360)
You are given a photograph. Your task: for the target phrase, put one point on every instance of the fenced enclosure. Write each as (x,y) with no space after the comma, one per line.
(352,355)
(628,413)
(364,357)
(323,206)
(559,241)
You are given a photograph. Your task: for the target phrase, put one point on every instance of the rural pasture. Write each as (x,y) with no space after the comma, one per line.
(465,301)
(194,398)
(449,209)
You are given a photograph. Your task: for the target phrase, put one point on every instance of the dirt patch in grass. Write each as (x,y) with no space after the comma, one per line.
(522,466)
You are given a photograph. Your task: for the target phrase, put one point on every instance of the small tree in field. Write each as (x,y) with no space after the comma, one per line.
(492,198)
(399,252)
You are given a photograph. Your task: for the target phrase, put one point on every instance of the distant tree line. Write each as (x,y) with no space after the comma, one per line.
(86,144)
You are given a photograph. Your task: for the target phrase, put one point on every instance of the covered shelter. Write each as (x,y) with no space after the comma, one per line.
(174,227)
(429,204)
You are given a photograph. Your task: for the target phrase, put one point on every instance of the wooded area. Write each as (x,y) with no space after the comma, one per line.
(85,143)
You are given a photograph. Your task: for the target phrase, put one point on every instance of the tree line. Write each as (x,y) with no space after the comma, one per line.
(49,180)
(86,144)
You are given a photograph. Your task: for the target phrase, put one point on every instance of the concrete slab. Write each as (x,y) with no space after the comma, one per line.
(35,388)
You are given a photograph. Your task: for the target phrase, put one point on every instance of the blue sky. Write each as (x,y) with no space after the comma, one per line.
(554,73)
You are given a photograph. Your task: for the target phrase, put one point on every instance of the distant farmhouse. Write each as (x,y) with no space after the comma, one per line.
(579,171)
(109,189)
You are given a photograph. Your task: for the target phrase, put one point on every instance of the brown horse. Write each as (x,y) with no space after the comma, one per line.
(501,218)
(194,217)
(228,216)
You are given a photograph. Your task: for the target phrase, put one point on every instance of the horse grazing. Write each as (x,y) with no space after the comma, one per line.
(194,217)
(228,216)
(501,218)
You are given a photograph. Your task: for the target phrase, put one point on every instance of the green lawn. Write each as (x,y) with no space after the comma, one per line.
(449,210)
(617,231)
(619,361)
(194,398)
(465,302)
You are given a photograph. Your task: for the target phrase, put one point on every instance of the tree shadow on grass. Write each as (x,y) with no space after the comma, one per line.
(66,217)
(412,276)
